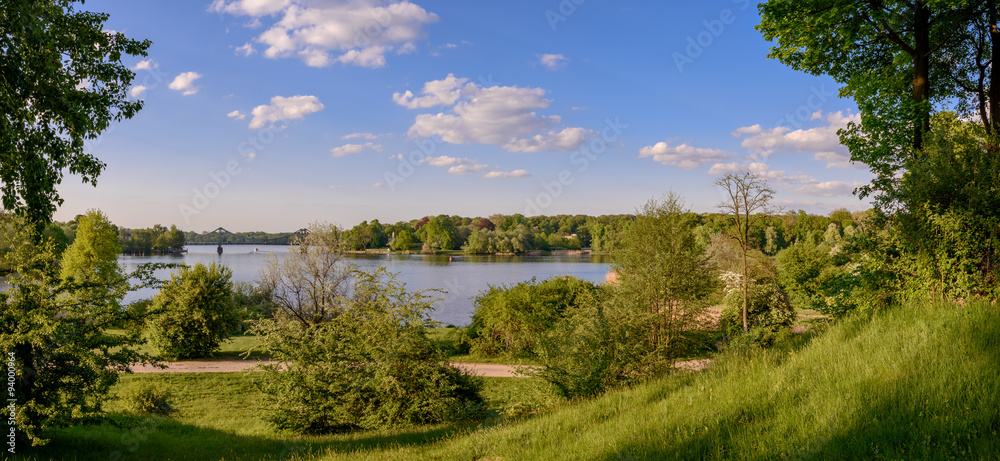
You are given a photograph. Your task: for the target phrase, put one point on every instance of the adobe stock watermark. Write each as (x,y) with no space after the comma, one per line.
(135,436)
(222,179)
(561,13)
(818,97)
(711,31)
(581,158)
(426,147)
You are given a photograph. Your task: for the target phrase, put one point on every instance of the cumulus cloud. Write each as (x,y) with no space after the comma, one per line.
(507,174)
(801,183)
(369,136)
(236,115)
(137,91)
(348,149)
(467,169)
(282,108)
(505,116)
(683,156)
(185,83)
(355,32)
(464,166)
(246,50)
(145,64)
(553,61)
(829,188)
(435,93)
(445,160)
(821,141)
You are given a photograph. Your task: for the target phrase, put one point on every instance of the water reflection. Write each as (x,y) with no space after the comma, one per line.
(462,277)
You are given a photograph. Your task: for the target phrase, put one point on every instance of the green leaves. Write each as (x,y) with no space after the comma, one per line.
(193,313)
(48,50)
(370,366)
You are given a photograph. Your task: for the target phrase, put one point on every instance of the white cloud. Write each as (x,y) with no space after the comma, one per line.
(444,160)
(356,32)
(822,141)
(137,91)
(507,174)
(236,115)
(505,116)
(683,156)
(803,184)
(553,61)
(829,188)
(282,108)
(466,169)
(185,83)
(435,93)
(348,149)
(246,50)
(368,136)
(145,64)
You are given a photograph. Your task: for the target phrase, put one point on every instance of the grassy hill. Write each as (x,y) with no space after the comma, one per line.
(916,382)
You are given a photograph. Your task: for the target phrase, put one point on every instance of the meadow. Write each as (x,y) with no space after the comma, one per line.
(915,381)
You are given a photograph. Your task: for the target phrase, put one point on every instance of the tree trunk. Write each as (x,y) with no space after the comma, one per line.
(746,285)
(921,73)
(994,90)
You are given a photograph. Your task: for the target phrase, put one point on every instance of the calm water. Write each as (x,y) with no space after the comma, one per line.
(462,278)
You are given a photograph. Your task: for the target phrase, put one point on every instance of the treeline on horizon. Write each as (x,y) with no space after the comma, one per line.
(497,234)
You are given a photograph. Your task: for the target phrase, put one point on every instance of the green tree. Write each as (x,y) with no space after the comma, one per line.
(508,321)
(56,329)
(63,83)
(646,318)
(747,202)
(93,258)
(403,241)
(193,313)
(335,377)
(440,233)
(175,239)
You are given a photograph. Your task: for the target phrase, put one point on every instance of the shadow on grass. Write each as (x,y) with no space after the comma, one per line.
(147,438)
(942,401)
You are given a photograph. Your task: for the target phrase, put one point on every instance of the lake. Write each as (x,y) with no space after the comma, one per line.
(462,278)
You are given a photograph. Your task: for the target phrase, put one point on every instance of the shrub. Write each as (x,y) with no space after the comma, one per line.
(193,312)
(509,320)
(636,327)
(148,399)
(768,310)
(368,366)
(252,303)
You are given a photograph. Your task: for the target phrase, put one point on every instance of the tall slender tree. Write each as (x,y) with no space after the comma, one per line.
(748,202)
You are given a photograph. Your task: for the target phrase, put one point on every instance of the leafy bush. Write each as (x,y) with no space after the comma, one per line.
(635,328)
(193,313)
(368,366)
(509,320)
(252,303)
(768,310)
(147,399)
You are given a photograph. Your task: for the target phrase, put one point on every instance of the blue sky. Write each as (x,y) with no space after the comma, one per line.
(270,114)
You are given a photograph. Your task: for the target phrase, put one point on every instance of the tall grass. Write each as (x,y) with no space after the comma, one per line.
(917,382)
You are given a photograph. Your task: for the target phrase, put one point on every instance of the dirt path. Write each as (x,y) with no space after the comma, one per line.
(490,370)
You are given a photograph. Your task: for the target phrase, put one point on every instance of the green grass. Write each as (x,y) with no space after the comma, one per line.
(916,382)
(217,417)
(236,347)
